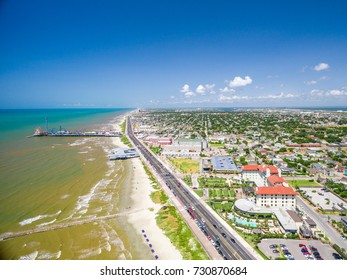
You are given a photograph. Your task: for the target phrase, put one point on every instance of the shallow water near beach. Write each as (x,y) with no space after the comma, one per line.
(69,182)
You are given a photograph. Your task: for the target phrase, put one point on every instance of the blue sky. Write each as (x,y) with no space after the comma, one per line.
(172,53)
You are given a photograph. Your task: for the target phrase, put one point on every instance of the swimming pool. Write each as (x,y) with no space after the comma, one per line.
(242,222)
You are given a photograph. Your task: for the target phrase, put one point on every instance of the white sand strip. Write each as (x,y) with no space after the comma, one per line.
(145,220)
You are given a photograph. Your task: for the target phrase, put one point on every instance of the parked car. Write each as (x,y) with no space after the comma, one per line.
(337,256)
(272,246)
(312,248)
(275,251)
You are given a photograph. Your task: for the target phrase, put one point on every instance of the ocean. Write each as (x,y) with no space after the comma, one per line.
(50,181)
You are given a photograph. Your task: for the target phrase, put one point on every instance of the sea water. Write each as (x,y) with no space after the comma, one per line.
(49,181)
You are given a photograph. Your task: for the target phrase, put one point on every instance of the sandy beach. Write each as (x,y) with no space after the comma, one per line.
(144,219)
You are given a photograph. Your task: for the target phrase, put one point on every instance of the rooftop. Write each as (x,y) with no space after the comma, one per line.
(273,179)
(223,163)
(254,167)
(276,190)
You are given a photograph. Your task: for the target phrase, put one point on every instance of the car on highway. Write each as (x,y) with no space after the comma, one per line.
(224,235)
(209,237)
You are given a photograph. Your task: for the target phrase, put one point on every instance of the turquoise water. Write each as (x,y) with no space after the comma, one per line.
(242,222)
(18,123)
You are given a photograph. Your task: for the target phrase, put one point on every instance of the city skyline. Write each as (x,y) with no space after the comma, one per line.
(176,54)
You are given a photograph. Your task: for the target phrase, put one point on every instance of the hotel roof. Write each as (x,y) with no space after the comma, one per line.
(254,167)
(276,190)
(273,179)
(273,169)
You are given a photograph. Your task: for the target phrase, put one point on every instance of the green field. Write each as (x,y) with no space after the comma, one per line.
(222,194)
(213,183)
(199,192)
(186,165)
(303,183)
(221,145)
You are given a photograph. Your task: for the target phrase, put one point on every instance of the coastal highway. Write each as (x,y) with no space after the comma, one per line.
(225,244)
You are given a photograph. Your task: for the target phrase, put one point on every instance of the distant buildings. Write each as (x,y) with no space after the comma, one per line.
(185,147)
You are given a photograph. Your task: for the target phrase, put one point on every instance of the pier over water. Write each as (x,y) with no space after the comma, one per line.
(66,133)
(10,235)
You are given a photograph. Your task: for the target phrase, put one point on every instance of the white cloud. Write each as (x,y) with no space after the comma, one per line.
(222,97)
(318,92)
(321,66)
(200,89)
(332,92)
(239,82)
(337,92)
(310,83)
(172,97)
(210,88)
(279,96)
(189,94)
(185,88)
(226,90)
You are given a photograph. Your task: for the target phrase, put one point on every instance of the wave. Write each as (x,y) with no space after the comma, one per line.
(39,217)
(31,256)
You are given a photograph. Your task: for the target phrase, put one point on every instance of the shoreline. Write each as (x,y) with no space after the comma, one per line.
(140,190)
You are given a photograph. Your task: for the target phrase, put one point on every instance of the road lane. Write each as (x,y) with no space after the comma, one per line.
(229,248)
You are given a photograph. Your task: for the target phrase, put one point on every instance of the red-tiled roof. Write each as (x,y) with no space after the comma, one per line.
(273,169)
(251,167)
(262,168)
(276,190)
(273,179)
(254,167)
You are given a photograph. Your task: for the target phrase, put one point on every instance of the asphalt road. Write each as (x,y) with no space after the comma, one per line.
(334,236)
(226,244)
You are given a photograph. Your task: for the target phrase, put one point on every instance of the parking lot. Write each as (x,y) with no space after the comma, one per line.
(325,199)
(292,246)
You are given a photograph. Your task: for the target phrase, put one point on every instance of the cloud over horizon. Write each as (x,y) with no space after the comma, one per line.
(239,82)
(321,66)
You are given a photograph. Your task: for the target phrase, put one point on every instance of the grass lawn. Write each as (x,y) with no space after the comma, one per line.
(199,192)
(126,141)
(186,165)
(159,197)
(217,145)
(221,194)
(213,183)
(303,183)
(180,235)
